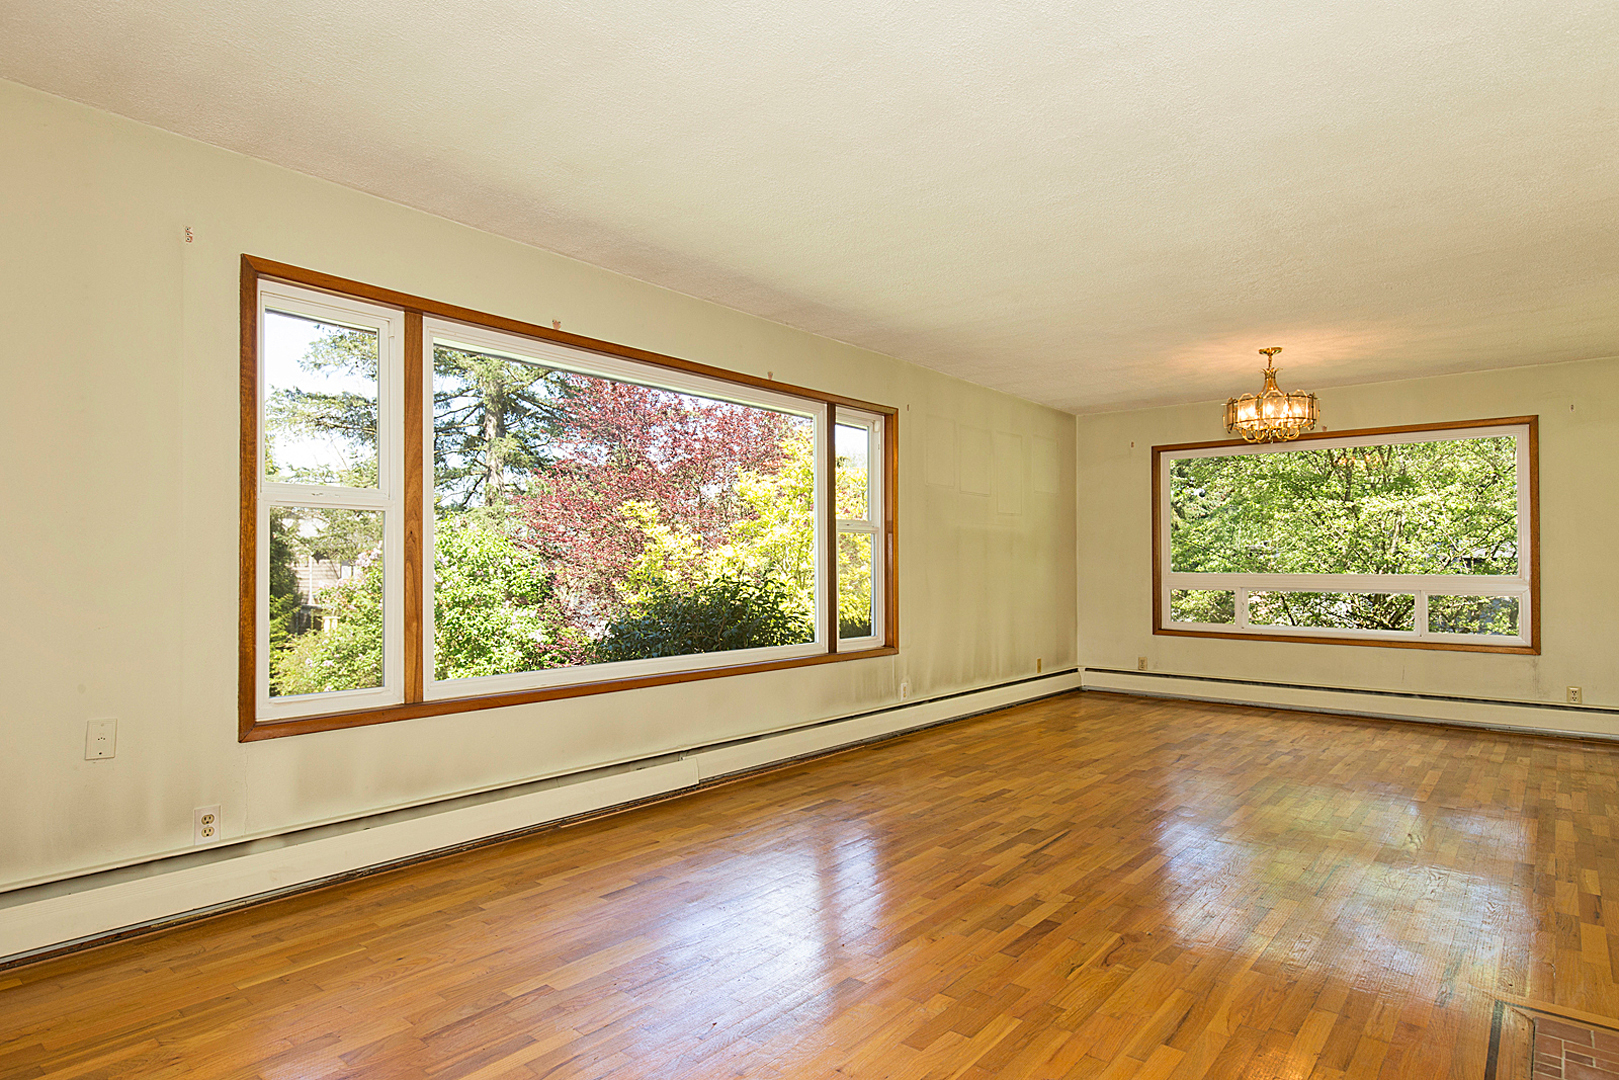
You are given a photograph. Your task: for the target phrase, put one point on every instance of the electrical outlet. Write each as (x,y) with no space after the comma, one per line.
(100,739)
(205,825)
(1576,696)
(905,689)
(1039,664)
(1141,663)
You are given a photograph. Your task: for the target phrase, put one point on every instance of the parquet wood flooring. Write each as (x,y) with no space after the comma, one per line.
(1091,886)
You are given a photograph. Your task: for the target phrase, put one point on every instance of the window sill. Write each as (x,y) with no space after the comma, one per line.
(1345,639)
(303,725)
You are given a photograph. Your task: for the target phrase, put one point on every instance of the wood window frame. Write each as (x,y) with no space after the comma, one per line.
(1159,542)
(251,727)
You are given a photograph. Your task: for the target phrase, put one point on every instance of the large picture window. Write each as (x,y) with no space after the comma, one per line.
(453,511)
(1418,537)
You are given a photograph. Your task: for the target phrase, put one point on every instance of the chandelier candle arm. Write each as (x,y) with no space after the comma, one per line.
(1271,415)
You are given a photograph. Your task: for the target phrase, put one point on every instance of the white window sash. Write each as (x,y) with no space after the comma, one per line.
(388,324)
(1421,586)
(871,525)
(557,356)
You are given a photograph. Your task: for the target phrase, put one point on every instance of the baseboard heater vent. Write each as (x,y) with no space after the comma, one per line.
(1498,714)
(1554,706)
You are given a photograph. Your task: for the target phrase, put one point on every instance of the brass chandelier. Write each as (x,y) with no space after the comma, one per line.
(1270,415)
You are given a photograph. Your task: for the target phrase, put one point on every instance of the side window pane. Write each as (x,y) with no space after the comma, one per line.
(855,614)
(853,454)
(1492,615)
(326,598)
(320,406)
(1334,610)
(582,520)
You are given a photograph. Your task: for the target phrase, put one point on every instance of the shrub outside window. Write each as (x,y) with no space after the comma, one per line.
(1419,537)
(454,511)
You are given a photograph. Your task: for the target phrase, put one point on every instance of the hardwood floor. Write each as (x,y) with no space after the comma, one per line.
(1090,886)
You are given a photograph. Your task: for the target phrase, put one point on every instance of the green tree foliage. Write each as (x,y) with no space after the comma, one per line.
(338,644)
(285,599)
(345,653)
(854,585)
(729,611)
(774,534)
(493,613)
(1361,610)
(342,418)
(1441,507)
(493,608)
(1496,615)
(1203,606)
(491,419)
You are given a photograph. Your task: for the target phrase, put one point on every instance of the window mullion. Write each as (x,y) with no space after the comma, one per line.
(415,531)
(829,525)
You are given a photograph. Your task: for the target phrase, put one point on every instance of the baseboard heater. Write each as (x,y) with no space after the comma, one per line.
(55,917)
(1528,717)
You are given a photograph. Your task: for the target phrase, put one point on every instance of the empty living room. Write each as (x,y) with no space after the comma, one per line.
(847,542)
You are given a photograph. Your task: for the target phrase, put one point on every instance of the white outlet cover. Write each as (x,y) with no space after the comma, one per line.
(100,739)
(904,690)
(205,825)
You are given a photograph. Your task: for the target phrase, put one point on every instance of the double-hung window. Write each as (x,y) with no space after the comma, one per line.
(329,527)
(1421,537)
(858,443)
(451,511)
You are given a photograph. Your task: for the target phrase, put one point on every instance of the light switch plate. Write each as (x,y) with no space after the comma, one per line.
(100,739)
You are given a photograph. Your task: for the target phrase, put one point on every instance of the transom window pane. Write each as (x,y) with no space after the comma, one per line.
(320,405)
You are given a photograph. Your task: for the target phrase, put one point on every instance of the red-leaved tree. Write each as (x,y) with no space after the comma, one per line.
(615,444)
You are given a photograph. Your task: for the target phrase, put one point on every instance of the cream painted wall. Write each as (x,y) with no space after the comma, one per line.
(118,478)
(1578,405)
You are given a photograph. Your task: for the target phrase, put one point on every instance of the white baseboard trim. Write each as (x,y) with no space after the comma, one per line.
(753,753)
(83,911)
(1528,717)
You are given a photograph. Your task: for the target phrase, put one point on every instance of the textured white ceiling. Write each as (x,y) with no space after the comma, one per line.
(1094,205)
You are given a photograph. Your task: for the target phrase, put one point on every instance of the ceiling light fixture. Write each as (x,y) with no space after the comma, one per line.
(1270,415)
